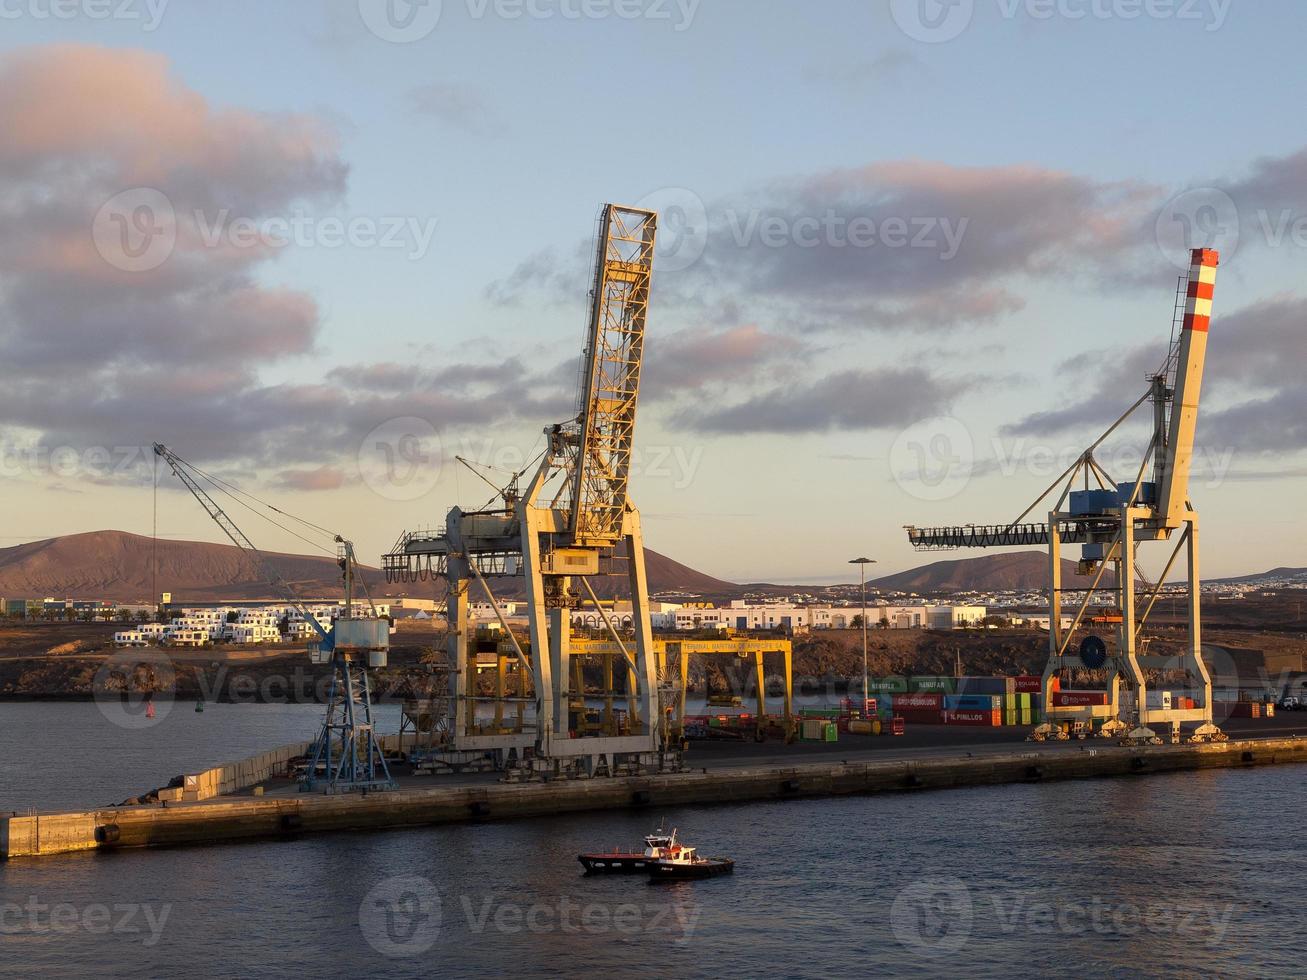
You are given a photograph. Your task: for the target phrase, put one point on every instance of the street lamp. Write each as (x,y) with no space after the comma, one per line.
(862,564)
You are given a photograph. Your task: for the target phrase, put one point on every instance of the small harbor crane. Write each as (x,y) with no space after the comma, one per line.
(346,756)
(1110,520)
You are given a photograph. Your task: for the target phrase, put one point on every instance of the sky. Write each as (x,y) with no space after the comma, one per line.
(913,256)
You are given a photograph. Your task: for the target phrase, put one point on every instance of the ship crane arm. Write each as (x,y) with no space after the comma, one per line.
(610,388)
(184,472)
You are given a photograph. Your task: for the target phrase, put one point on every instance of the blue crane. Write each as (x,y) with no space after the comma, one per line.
(346,757)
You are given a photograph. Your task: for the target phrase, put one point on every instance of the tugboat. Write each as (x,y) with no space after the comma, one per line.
(679,863)
(616,862)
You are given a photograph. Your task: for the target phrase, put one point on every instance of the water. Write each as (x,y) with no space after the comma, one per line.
(1182,875)
(73,755)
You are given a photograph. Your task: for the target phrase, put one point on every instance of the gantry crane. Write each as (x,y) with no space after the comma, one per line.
(574,521)
(1109,520)
(346,755)
(574,512)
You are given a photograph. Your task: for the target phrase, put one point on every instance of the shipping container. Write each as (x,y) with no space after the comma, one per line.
(908,702)
(812,729)
(921,716)
(890,685)
(819,712)
(930,684)
(1077,699)
(986,685)
(979,718)
(974,702)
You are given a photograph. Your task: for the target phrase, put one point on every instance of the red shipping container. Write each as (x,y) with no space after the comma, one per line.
(921,716)
(1029,685)
(1078,699)
(986,718)
(918,702)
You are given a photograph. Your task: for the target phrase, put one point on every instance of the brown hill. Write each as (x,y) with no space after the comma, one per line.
(1013,570)
(118,566)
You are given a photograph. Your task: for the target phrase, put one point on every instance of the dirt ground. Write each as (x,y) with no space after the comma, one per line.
(61,660)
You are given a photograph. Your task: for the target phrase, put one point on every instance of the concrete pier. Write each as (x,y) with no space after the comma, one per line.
(227,818)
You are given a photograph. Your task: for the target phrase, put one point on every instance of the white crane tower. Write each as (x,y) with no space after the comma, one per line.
(1110,520)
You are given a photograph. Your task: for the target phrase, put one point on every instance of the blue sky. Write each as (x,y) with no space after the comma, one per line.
(1060,133)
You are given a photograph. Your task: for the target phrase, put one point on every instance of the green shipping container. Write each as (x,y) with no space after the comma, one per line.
(1023,701)
(830,733)
(1026,718)
(1012,715)
(890,685)
(931,685)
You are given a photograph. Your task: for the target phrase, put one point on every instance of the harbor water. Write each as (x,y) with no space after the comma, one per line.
(1176,875)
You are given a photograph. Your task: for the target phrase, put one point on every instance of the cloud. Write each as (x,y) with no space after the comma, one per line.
(175,347)
(102,353)
(1253,399)
(892,245)
(455,106)
(1254,359)
(1272,182)
(889,65)
(692,358)
(323,478)
(846,400)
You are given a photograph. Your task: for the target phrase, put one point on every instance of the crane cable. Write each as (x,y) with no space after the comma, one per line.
(233,489)
(231,492)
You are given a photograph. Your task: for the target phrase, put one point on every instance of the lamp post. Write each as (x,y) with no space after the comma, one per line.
(862,564)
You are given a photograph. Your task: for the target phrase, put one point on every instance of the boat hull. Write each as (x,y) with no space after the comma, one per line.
(710,868)
(615,864)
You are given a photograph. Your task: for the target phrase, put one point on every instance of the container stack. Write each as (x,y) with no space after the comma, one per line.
(988,701)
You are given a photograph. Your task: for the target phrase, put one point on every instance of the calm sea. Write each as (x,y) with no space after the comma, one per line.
(1183,875)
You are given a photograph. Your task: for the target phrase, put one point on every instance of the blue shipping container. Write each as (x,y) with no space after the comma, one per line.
(986,685)
(973,702)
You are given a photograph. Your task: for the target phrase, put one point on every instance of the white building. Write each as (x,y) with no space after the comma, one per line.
(253,633)
(186,636)
(955,617)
